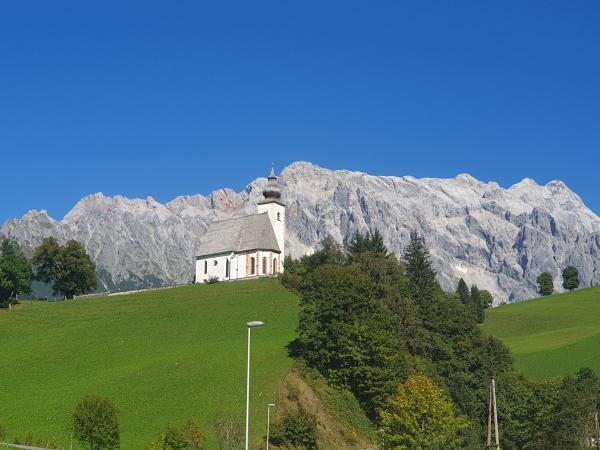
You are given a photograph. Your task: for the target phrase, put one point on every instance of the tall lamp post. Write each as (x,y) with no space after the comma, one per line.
(250,325)
(269,406)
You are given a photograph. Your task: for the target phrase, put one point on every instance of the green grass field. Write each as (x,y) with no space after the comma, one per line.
(161,356)
(551,336)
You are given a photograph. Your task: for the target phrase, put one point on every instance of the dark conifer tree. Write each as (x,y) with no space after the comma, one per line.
(462,292)
(477,304)
(418,268)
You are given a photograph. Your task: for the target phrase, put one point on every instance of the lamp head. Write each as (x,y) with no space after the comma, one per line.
(255,324)
(271,405)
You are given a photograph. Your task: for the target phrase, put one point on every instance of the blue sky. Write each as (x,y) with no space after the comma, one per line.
(171,98)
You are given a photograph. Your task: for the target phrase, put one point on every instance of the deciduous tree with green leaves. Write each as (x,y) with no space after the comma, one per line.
(420,417)
(545,284)
(570,278)
(15,272)
(95,423)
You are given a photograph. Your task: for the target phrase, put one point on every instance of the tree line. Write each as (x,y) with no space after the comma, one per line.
(68,268)
(415,357)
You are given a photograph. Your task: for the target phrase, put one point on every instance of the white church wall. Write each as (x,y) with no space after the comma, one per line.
(239,265)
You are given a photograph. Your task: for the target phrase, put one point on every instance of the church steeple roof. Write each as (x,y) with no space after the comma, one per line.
(272,191)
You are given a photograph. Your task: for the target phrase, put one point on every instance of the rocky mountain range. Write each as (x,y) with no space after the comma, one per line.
(498,238)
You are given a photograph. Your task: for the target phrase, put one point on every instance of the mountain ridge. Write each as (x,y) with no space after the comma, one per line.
(498,238)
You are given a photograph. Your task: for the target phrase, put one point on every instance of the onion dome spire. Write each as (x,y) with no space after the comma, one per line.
(272,190)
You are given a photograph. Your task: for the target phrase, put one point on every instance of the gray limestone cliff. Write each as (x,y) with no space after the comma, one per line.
(500,239)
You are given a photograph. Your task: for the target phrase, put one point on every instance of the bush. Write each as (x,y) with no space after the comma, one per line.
(230,433)
(291,281)
(95,423)
(297,429)
(212,280)
(187,437)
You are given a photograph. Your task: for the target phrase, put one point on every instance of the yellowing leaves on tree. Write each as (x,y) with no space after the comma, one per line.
(420,416)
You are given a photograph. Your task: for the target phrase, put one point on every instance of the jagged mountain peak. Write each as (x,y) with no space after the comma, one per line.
(498,238)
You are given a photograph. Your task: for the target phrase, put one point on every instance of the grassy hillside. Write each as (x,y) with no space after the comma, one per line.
(551,336)
(161,356)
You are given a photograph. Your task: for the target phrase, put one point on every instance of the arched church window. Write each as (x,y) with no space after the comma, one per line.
(275,266)
(264,264)
(205,267)
(252,266)
(279,217)
(227,267)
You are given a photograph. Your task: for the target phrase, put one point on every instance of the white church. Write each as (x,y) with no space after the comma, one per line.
(248,246)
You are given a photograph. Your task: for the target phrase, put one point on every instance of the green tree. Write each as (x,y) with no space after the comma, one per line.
(76,272)
(570,278)
(462,292)
(15,272)
(419,270)
(95,423)
(477,304)
(487,299)
(45,260)
(367,243)
(545,284)
(571,416)
(420,417)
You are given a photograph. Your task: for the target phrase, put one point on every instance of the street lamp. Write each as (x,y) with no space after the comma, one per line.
(250,325)
(269,406)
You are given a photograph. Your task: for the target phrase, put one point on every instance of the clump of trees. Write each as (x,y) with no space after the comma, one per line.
(476,300)
(382,327)
(95,423)
(68,267)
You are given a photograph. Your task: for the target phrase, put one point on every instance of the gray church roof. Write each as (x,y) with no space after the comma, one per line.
(254,232)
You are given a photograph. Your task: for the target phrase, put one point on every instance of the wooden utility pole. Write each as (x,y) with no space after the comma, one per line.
(493,416)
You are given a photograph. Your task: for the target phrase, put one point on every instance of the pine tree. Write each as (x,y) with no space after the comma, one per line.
(462,291)
(477,304)
(367,243)
(418,267)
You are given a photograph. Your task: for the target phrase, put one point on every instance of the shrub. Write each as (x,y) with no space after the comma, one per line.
(174,439)
(95,423)
(187,437)
(212,280)
(297,429)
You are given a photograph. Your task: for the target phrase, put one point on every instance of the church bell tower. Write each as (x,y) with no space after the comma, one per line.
(273,205)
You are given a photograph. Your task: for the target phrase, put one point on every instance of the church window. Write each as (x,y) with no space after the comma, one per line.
(215,262)
(227,266)
(252,266)
(264,265)
(278,217)
(205,267)
(275,267)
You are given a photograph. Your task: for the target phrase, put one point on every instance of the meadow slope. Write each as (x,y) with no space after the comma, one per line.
(161,356)
(551,336)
